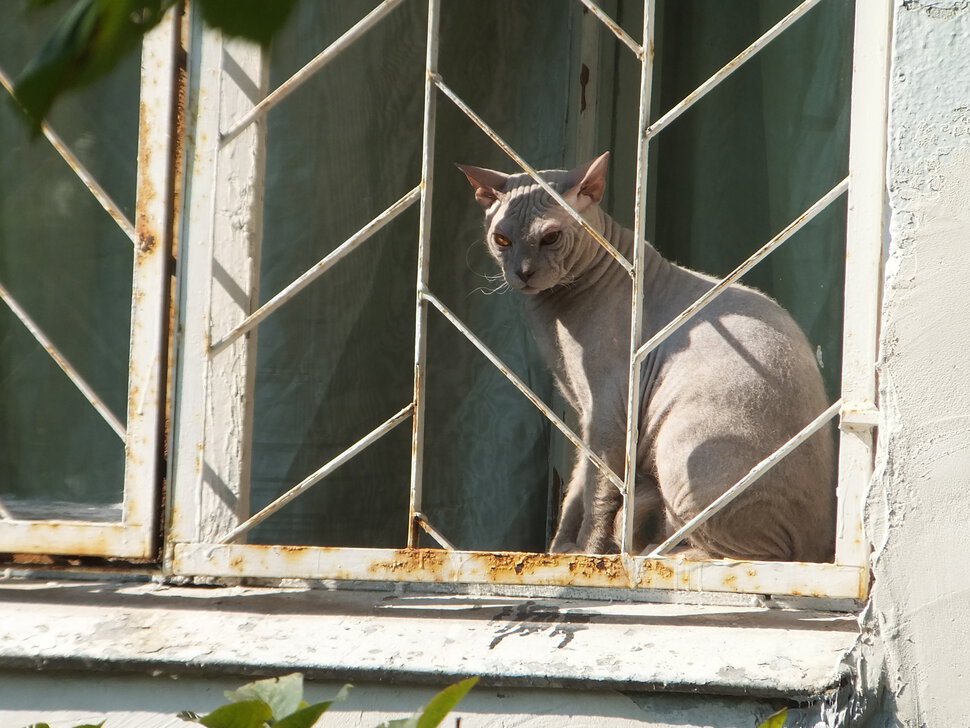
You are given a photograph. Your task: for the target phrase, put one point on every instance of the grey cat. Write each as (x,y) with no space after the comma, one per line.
(723,392)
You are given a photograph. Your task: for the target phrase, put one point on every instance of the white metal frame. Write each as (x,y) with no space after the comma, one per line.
(141,434)
(210,508)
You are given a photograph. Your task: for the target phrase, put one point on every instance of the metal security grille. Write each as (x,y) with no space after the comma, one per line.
(207,528)
(132,534)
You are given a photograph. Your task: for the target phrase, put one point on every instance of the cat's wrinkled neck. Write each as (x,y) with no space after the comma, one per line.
(597,271)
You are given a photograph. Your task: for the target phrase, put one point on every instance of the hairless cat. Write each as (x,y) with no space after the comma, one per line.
(718,396)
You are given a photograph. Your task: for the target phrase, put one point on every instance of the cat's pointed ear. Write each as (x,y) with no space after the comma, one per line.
(585,185)
(488,183)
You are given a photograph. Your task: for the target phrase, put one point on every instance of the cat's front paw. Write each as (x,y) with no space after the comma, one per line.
(565,548)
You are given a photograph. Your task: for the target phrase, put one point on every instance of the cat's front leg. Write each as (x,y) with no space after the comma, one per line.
(604,499)
(566,540)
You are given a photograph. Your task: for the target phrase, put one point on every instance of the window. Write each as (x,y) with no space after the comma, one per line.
(335,409)
(83,283)
(347,401)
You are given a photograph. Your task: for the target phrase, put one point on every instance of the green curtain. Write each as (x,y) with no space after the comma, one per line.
(337,360)
(757,151)
(66,261)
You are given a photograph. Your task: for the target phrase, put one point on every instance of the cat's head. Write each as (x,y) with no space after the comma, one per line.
(538,244)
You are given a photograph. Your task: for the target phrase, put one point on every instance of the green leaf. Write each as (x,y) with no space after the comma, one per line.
(248,714)
(257,20)
(282,694)
(776,720)
(87,42)
(94,35)
(444,702)
(307,715)
(436,710)
(304,718)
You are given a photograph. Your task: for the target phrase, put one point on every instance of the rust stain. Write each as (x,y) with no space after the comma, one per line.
(420,562)
(659,568)
(145,226)
(610,567)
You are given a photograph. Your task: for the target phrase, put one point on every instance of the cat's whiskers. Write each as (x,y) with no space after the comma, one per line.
(502,287)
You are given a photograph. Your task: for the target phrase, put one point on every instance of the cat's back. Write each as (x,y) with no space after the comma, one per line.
(729,388)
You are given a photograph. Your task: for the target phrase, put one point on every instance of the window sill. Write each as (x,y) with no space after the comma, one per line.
(382,636)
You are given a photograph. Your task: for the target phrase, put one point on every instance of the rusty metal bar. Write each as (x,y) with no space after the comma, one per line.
(723,500)
(636,297)
(532,172)
(614,28)
(301,76)
(109,205)
(526,390)
(304,280)
(314,478)
(113,422)
(422,520)
(424,261)
(556,570)
(731,66)
(722,285)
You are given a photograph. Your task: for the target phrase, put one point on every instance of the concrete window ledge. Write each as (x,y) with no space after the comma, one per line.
(387,637)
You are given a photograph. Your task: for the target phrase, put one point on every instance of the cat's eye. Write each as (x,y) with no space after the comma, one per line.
(550,238)
(501,240)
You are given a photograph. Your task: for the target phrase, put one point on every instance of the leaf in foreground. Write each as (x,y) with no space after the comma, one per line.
(776,720)
(282,694)
(87,42)
(436,710)
(250,714)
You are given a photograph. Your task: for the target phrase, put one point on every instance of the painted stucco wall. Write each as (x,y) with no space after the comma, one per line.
(919,508)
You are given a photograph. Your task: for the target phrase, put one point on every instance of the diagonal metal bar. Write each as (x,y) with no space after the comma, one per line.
(113,422)
(338,254)
(325,470)
(731,66)
(614,27)
(103,198)
(722,501)
(301,76)
(605,469)
(432,531)
(532,172)
(722,285)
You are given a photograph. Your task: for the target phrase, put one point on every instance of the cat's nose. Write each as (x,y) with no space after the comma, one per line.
(524,272)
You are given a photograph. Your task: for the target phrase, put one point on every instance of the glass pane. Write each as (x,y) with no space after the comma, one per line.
(338,360)
(68,264)
(752,155)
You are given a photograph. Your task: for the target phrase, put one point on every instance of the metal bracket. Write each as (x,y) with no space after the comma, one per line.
(858,416)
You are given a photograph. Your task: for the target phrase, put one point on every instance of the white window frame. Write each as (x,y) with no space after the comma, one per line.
(134,536)
(210,507)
